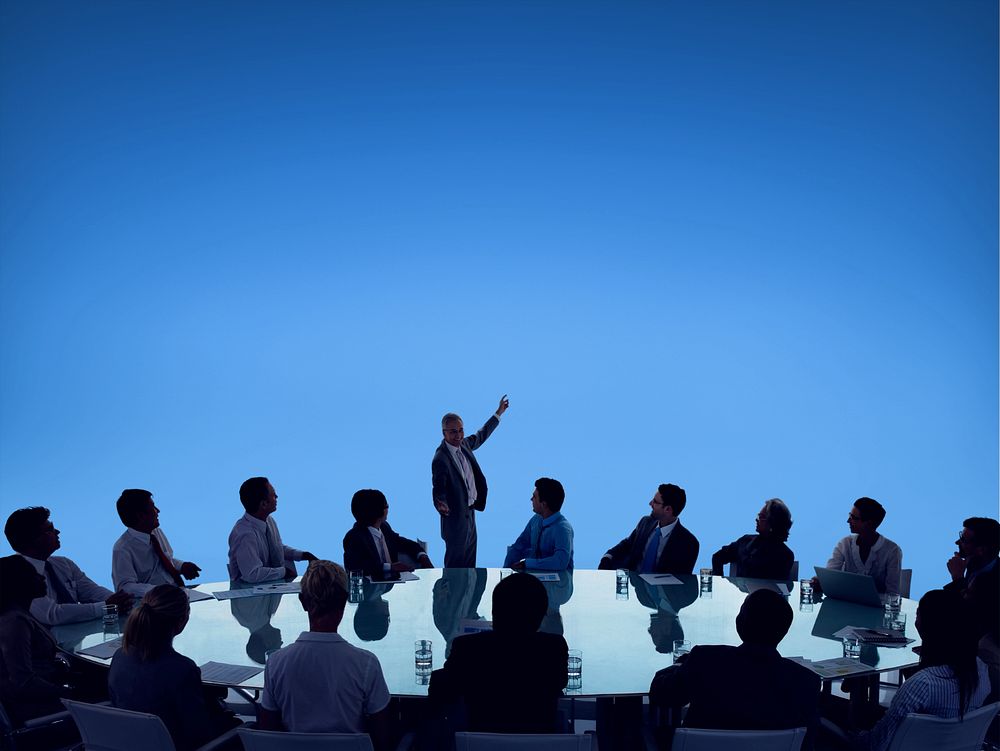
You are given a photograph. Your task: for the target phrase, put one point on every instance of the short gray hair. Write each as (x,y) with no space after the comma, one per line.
(450,417)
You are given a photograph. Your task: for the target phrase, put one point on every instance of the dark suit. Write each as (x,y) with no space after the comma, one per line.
(361,553)
(755,557)
(678,556)
(458,528)
(509,683)
(749,687)
(984,604)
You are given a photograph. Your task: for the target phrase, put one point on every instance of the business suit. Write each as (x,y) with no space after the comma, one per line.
(981,597)
(679,554)
(527,673)
(361,553)
(458,528)
(749,687)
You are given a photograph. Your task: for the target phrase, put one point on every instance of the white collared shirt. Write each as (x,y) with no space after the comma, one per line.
(379,542)
(135,566)
(465,467)
(89,595)
(248,550)
(884,564)
(322,684)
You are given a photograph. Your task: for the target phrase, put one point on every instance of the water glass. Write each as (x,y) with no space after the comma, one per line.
(423,656)
(574,669)
(896,622)
(705,582)
(805,590)
(621,584)
(852,647)
(109,615)
(356,592)
(681,648)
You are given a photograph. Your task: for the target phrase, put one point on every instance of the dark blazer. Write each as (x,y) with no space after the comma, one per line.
(361,553)
(749,687)
(448,483)
(169,687)
(525,675)
(678,557)
(755,557)
(984,604)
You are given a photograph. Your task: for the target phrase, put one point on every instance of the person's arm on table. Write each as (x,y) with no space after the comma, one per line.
(561,535)
(619,552)
(725,554)
(520,548)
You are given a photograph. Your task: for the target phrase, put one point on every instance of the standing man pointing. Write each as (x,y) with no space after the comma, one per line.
(460,486)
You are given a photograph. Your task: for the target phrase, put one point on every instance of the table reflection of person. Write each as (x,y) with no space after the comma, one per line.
(254,614)
(667,600)
(559,593)
(456,597)
(371,617)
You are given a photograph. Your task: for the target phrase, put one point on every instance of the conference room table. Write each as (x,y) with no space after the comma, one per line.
(625,630)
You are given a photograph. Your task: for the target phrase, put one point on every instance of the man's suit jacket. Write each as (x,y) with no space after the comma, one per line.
(749,687)
(679,553)
(448,481)
(524,678)
(361,553)
(984,605)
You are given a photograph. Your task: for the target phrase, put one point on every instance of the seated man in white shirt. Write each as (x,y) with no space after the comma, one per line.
(320,683)
(72,596)
(256,553)
(865,551)
(142,557)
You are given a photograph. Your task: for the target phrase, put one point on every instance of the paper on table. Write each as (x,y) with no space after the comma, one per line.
(545,576)
(229,675)
(103,651)
(404,576)
(278,588)
(658,580)
(836,667)
(194,595)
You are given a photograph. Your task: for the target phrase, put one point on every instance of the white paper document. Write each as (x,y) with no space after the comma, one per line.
(278,588)
(103,651)
(229,675)
(195,596)
(545,576)
(835,667)
(658,580)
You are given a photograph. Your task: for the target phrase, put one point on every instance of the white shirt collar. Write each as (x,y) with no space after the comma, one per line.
(327,636)
(668,528)
(259,524)
(38,564)
(143,536)
(376,532)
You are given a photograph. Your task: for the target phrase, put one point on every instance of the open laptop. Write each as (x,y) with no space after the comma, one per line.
(841,585)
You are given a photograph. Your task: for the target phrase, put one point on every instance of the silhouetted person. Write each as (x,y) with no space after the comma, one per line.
(865,551)
(147,675)
(256,553)
(372,546)
(320,683)
(71,595)
(763,555)
(659,543)
(546,544)
(459,486)
(749,687)
(975,576)
(142,556)
(950,680)
(526,669)
(31,674)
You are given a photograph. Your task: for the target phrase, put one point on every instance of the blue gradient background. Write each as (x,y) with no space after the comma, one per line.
(750,248)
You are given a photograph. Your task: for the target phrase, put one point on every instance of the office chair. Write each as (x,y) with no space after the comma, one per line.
(105,728)
(48,726)
(266,740)
(696,739)
(522,742)
(918,732)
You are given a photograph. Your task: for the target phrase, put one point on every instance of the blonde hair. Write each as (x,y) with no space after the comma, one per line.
(154,622)
(324,587)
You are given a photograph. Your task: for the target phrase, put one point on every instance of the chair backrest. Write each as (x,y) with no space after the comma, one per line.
(905,576)
(265,740)
(919,731)
(522,742)
(105,728)
(696,739)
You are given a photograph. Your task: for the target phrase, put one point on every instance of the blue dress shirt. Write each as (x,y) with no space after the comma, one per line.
(545,544)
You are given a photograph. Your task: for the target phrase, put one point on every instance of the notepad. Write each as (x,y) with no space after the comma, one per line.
(659,580)
(278,588)
(195,596)
(229,675)
(103,651)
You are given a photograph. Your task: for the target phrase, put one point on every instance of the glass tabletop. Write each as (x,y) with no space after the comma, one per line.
(625,636)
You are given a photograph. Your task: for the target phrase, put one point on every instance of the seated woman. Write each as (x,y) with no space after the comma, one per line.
(31,673)
(147,675)
(950,681)
(763,555)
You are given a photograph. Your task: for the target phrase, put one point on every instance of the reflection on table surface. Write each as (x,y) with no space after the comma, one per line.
(625,637)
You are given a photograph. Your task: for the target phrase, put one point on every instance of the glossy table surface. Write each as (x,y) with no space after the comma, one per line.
(624,639)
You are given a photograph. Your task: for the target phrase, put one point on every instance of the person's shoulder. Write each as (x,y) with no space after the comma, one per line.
(120,542)
(680,529)
(441,452)
(62,560)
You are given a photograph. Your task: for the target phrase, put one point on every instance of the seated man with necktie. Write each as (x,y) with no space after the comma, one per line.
(256,553)
(142,556)
(546,544)
(372,546)
(659,543)
(71,595)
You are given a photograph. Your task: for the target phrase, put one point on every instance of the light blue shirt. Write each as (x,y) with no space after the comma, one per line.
(553,550)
